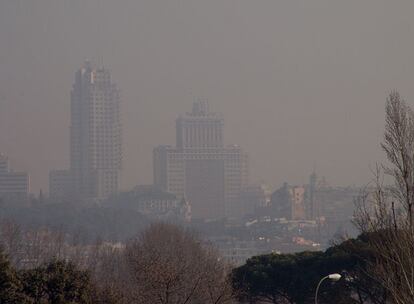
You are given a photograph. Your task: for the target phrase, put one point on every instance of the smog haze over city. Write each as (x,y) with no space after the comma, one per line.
(206,151)
(301,84)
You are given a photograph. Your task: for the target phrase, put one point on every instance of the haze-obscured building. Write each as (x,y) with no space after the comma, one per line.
(14,186)
(154,203)
(200,169)
(336,204)
(289,202)
(95,138)
(200,129)
(330,204)
(95,133)
(252,197)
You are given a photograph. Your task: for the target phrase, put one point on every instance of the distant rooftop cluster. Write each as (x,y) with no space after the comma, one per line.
(201,180)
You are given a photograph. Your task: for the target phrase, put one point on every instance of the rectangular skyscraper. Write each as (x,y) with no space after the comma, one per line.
(95,134)
(200,169)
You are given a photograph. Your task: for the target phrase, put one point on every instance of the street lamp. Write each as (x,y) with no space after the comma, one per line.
(334,277)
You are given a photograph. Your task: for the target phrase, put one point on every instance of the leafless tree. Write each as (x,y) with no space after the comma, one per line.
(42,245)
(11,240)
(106,263)
(399,147)
(170,265)
(386,214)
(31,247)
(166,264)
(217,286)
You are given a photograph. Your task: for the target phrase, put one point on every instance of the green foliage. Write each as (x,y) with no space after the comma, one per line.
(292,278)
(34,282)
(10,289)
(277,278)
(355,257)
(57,282)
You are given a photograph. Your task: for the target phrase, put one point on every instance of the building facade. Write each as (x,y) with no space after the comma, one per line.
(200,128)
(14,186)
(95,134)
(289,202)
(199,169)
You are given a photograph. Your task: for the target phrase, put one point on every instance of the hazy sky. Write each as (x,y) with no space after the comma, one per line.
(300,83)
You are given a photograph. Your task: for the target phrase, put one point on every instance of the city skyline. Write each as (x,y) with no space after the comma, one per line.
(193,151)
(288,87)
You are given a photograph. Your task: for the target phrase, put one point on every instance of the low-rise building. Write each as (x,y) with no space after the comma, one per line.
(153,203)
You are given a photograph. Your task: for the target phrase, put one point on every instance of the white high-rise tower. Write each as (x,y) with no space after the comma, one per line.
(95,134)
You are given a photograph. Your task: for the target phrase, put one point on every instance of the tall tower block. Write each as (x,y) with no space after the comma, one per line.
(95,133)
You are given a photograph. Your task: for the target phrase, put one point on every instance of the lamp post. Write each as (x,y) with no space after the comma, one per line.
(334,277)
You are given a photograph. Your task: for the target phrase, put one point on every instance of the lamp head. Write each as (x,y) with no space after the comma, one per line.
(334,277)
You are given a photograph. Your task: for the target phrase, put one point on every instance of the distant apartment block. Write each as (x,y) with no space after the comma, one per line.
(200,169)
(13,185)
